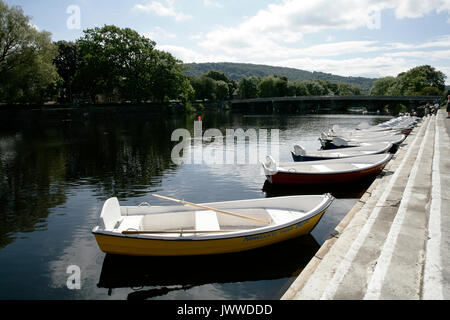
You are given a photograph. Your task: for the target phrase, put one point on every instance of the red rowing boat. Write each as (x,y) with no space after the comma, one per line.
(325,172)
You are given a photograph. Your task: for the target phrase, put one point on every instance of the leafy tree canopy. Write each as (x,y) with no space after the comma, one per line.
(27,74)
(118,61)
(422,80)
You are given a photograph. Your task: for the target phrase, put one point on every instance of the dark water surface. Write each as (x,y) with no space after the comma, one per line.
(58,167)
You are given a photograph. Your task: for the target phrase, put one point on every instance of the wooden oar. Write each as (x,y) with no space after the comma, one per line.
(209,208)
(130,232)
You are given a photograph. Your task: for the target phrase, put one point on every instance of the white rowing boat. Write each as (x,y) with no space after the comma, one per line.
(359,141)
(300,154)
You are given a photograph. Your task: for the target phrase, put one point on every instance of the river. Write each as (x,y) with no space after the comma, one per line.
(57,168)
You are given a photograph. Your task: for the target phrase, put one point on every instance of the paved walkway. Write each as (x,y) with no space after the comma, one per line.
(395,242)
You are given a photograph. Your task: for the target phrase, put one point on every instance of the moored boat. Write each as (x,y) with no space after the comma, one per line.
(402,124)
(359,141)
(325,172)
(211,228)
(300,154)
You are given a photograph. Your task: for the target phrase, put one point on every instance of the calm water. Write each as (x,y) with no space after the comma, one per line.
(58,167)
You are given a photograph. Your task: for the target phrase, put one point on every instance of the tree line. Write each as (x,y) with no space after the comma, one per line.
(419,81)
(280,86)
(120,65)
(117,63)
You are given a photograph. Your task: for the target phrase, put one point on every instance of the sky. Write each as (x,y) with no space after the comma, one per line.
(368,38)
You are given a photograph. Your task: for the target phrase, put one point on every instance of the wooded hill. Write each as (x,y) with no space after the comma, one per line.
(238,71)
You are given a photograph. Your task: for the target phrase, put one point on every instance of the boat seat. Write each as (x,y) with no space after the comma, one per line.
(284,216)
(130,223)
(206,220)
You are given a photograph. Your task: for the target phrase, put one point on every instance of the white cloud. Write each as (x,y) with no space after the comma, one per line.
(159,34)
(289,20)
(189,55)
(367,67)
(419,8)
(428,55)
(274,36)
(211,3)
(340,48)
(442,41)
(160,9)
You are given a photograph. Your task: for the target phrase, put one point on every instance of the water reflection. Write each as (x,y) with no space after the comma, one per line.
(150,277)
(115,154)
(341,191)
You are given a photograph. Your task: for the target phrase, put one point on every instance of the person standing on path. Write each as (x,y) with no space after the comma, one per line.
(448,106)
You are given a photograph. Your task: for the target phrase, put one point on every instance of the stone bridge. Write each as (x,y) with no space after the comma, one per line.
(333,103)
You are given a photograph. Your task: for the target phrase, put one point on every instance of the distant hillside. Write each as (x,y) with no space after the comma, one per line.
(237,71)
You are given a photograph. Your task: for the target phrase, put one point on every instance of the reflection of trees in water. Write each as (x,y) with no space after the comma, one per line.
(118,154)
(30,183)
(121,156)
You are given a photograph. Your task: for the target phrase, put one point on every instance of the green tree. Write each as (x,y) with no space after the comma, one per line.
(267,87)
(315,88)
(345,89)
(291,89)
(67,63)
(27,74)
(222,90)
(414,81)
(205,88)
(196,86)
(382,86)
(273,86)
(167,77)
(121,60)
(208,88)
(187,91)
(220,76)
(249,88)
(115,58)
(430,91)
(281,86)
(301,89)
(422,80)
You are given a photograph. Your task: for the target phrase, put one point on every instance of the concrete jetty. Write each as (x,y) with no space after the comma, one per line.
(395,242)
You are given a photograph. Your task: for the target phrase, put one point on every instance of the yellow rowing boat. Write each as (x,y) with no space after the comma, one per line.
(211,228)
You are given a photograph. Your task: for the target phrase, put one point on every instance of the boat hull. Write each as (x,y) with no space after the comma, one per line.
(138,246)
(300,178)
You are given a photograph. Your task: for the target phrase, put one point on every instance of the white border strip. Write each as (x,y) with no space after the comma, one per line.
(384,261)
(432,283)
(347,262)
